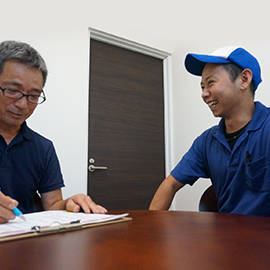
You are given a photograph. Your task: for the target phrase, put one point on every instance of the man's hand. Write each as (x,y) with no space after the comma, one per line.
(53,200)
(6,206)
(85,202)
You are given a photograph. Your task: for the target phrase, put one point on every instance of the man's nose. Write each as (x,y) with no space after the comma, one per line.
(22,102)
(205,93)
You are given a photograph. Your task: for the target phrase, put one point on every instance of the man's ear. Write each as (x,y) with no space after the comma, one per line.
(246,78)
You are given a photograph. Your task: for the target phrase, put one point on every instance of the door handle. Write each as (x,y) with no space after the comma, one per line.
(92,168)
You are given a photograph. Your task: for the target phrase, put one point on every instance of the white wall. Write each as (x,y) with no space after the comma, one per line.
(58,29)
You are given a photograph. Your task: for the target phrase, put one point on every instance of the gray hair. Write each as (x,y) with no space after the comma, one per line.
(24,53)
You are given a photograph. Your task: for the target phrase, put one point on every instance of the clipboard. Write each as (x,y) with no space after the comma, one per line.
(57,227)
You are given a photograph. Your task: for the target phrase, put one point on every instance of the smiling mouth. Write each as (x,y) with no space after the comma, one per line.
(212,103)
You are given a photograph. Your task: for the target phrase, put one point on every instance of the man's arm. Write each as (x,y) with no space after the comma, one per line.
(165,193)
(53,200)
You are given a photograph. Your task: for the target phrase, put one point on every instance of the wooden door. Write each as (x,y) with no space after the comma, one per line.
(126,127)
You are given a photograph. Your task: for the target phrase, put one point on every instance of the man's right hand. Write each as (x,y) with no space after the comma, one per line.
(6,206)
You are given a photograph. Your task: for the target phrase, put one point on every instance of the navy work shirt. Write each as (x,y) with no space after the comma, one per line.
(28,164)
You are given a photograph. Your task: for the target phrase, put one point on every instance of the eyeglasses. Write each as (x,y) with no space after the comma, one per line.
(15,94)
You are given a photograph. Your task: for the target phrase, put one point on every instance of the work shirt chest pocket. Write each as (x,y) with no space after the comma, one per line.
(258,174)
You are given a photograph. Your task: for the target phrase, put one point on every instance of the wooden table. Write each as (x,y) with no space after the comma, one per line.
(152,240)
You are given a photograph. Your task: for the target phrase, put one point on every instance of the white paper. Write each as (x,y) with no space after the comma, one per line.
(51,218)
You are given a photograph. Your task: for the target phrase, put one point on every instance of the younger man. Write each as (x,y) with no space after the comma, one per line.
(235,154)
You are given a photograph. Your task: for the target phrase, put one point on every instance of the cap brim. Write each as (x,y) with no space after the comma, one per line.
(195,63)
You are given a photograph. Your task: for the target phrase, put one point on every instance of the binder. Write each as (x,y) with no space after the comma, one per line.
(58,227)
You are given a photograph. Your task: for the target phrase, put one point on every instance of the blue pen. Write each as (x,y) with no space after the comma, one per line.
(18,213)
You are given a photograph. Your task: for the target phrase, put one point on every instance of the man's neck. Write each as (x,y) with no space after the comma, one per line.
(9,134)
(240,120)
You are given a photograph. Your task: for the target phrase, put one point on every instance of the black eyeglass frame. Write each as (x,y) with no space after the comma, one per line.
(25,95)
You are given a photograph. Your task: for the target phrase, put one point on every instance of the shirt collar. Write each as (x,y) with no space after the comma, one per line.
(257,120)
(258,117)
(26,132)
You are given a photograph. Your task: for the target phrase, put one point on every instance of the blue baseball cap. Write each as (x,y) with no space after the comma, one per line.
(195,63)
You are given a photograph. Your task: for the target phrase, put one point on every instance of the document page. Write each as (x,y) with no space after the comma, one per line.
(51,219)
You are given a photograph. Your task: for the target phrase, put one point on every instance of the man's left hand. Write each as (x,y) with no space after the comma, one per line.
(78,201)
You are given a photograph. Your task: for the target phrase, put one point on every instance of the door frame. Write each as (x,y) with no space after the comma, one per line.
(166,57)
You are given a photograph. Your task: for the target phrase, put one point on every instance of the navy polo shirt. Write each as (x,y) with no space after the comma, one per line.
(28,164)
(240,176)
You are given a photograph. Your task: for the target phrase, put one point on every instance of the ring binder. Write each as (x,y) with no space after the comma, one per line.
(72,225)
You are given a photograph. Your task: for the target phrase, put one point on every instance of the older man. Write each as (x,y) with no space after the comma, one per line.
(28,162)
